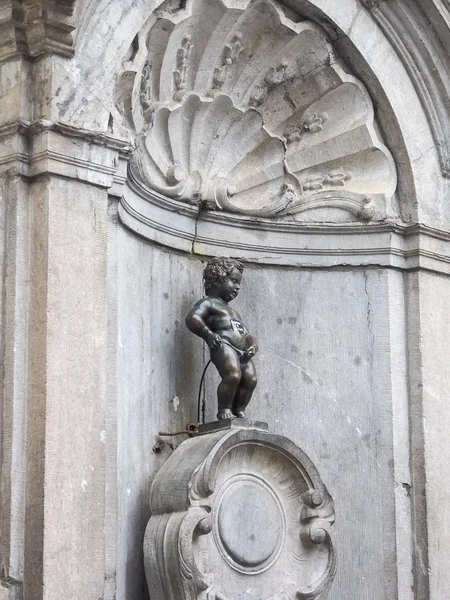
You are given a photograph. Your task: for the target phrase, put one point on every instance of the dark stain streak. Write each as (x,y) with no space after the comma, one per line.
(289,101)
(407,489)
(64,106)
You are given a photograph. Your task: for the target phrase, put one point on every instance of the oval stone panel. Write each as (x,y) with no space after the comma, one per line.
(250,524)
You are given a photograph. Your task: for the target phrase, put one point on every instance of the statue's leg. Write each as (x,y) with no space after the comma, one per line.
(227,363)
(245,389)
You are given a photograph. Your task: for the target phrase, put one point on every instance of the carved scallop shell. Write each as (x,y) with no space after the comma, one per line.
(247,111)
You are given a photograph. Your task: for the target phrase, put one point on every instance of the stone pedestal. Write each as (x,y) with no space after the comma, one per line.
(239,513)
(236,423)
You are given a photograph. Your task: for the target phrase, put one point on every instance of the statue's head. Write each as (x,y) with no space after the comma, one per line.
(218,269)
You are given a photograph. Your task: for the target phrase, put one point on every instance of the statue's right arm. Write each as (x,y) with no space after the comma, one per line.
(196,319)
(196,322)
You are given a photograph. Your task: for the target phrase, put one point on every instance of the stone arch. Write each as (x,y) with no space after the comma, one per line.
(409,139)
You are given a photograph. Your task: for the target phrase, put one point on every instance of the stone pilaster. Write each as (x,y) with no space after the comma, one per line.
(55,183)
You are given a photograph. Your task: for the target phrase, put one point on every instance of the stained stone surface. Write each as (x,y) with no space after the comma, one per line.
(250,524)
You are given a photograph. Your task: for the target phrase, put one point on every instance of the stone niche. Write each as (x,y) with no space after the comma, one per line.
(239,514)
(254,139)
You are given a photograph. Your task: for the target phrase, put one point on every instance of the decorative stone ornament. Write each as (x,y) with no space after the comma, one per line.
(243,109)
(239,513)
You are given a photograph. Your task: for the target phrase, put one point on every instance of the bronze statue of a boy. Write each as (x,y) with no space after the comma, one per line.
(231,345)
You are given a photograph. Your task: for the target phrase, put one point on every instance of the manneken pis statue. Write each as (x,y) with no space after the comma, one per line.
(232,347)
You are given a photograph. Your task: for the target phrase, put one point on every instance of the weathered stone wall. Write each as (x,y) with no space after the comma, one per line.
(97,274)
(330,355)
(158,364)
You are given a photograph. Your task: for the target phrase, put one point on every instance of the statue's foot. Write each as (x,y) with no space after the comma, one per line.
(224,414)
(240,414)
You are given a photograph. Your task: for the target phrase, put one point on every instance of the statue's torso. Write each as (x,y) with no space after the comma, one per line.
(226,322)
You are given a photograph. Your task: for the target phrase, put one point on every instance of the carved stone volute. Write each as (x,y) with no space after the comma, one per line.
(239,510)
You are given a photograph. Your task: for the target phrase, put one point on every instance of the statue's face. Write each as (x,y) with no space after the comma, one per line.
(228,289)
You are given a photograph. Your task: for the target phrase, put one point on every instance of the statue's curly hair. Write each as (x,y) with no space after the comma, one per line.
(217,270)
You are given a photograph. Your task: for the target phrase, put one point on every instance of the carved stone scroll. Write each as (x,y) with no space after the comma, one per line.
(239,514)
